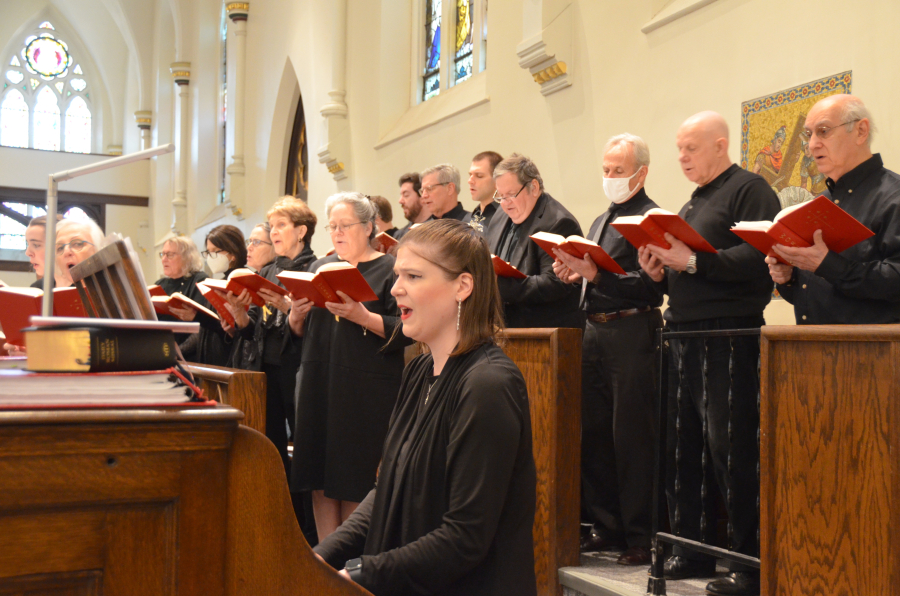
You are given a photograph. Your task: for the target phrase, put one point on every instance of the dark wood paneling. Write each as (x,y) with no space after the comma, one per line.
(37,196)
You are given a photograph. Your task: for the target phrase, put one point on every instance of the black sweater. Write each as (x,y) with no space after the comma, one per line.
(453,510)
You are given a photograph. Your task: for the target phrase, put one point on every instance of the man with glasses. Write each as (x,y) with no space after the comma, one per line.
(861,285)
(541,299)
(440,192)
(713,383)
(618,368)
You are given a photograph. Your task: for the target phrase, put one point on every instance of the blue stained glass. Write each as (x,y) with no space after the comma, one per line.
(432,35)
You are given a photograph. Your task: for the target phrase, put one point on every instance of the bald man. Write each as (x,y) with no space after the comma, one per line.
(861,285)
(725,290)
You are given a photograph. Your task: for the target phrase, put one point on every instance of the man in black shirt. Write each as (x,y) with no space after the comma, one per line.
(482,187)
(728,289)
(862,284)
(413,210)
(440,192)
(541,299)
(618,364)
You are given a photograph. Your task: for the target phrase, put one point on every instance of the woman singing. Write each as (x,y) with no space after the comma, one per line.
(453,508)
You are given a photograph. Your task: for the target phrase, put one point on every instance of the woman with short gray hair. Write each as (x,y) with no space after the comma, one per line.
(349,373)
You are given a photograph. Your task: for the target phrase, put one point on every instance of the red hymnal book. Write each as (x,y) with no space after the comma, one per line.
(219,303)
(244,279)
(384,242)
(18,305)
(162,303)
(651,228)
(322,286)
(155,290)
(795,226)
(504,269)
(577,247)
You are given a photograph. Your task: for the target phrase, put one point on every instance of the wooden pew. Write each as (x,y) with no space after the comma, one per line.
(243,390)
(550,361)
(144,502)
(829,466)
(185,501)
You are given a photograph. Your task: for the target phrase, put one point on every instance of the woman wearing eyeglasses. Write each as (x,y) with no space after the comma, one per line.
(75,241)
(349,372)
(259,247)
(182,268)
(271,347)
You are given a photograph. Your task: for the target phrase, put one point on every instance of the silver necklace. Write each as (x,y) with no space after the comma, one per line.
(428,393)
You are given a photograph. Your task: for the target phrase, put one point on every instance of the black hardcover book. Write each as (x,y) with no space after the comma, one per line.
(99,349)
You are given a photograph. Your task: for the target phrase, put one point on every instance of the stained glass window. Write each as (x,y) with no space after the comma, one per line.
(14,120)
(32,110)
(78,127)
(46,120)
(462,50)
(464,26)
(432,78)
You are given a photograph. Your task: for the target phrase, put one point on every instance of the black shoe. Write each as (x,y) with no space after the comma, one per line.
(678,567)
(594,542)
(736,583)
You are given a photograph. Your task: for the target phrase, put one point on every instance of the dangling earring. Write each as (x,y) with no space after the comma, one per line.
(458,312)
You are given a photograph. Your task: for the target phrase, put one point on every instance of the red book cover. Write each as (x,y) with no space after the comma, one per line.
(244,278)
(796,225)
(504,269)
(162,303)
(384,242)
(217,302)
(18,305)
(652,226)
(577,247)
(155,290)
(323,285)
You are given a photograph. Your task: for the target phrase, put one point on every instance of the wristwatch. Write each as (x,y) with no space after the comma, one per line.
(353,567)
(691,266)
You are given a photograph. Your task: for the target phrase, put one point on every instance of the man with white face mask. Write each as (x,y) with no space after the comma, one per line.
(619,368)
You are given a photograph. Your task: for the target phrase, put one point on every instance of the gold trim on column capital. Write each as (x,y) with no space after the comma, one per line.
(338,167)
(237,11)
(181,72)
(550,73)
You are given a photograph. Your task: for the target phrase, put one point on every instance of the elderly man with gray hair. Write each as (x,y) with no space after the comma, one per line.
(619,370)
(440,192)
(860,285)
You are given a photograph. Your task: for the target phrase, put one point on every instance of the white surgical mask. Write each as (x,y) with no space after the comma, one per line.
(616,189)
(218,263)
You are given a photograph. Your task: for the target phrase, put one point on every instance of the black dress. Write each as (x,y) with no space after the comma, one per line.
(269,346)
(346,389)
(209,346)
(454,507)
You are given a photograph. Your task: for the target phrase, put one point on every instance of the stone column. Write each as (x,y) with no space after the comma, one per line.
(335,111)
(237,54)
(144,119)
(181,74)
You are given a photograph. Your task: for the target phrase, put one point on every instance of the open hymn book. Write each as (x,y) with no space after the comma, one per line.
(244,279)
(577,247)
(504,269)
(795,226)
(651,228)
(322,286)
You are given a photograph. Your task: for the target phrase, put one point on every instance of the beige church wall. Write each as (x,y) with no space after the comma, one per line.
(623,80)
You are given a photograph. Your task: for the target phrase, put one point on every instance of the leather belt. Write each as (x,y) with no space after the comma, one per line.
(605,317)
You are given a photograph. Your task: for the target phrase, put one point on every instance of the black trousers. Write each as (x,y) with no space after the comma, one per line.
(619,374)
(730,448)
(280,383)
